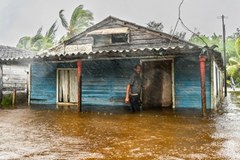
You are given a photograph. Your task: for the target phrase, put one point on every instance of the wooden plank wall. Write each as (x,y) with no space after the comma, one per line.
(43,83)
(14,76)
(187,83)
(139,38)
(104,82)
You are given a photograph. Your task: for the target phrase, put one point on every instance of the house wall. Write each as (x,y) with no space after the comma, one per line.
(43,83)
(187,82)
(139,37)
(14,77)
(103,82)
(217,85)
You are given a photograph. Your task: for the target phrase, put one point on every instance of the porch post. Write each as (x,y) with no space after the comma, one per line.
(202,60)
(1,83)
(79,70)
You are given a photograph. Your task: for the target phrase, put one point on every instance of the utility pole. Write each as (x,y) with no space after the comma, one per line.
(224,54)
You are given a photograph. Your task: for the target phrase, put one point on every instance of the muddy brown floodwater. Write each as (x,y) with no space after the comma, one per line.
(31,133)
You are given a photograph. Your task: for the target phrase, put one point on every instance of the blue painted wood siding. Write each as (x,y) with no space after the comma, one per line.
(43,83)
(187,83)
(104,82)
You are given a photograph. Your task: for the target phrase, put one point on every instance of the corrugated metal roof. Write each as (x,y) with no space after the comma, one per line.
(98,53)
(110,54)
(12,53)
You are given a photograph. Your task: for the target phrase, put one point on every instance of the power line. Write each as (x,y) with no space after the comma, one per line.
(180,19)
(192,32)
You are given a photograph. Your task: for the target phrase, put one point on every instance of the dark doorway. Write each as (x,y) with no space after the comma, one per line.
(157,79)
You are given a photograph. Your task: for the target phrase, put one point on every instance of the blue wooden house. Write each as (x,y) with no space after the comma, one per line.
(93,68)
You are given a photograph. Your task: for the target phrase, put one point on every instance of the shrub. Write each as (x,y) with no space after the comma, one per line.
(7,101)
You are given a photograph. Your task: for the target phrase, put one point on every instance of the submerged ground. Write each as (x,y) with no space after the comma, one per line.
(34,133)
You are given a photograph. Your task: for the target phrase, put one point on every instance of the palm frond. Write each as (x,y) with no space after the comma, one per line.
(24,43)
(36,38)
(42,44)
(63,19)
(231,70)
(237,46)
(39,31)
(38,45)
(234,60)
(75,15)
(52,30)
(62,39)
(80,19)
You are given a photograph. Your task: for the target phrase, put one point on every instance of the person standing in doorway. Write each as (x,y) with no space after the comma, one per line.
(134,88)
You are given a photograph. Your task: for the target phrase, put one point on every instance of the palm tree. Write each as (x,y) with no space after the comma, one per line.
(234,62)
(80,20)
(39,42)
(46,41)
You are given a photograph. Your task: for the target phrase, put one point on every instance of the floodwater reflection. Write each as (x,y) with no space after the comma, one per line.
(166,134)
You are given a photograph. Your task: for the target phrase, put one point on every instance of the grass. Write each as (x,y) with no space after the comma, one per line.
(7,101)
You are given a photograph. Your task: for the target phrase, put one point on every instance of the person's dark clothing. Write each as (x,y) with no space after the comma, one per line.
(135,103)
(135,82)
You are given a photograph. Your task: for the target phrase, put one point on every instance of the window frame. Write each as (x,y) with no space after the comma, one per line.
(109,40)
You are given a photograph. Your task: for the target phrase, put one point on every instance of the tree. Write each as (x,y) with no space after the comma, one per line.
(158,26)
(232,50)
(80,20)
(180,35)
(234,63)
(39,42)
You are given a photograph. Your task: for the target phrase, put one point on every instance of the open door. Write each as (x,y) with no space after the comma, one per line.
(67,86)
(157,79)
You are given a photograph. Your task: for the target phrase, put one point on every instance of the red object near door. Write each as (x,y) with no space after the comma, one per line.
(202,61)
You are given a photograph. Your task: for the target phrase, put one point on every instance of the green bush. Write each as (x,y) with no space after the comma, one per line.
(7,101)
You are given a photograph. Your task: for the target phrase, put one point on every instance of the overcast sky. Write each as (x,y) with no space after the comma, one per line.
(23,17)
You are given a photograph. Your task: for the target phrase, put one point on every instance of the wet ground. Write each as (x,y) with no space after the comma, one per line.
(48,133)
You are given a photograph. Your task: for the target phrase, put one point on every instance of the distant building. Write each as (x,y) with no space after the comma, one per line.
(13,74)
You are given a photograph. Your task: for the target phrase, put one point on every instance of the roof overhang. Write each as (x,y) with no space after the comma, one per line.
(119,54)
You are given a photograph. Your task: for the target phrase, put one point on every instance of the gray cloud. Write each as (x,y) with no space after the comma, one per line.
(24,17)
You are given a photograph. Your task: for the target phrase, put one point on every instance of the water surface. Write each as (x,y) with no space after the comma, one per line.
(63,133)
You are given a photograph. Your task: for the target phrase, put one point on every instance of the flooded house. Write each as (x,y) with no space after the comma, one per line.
(93,68)
(13,71)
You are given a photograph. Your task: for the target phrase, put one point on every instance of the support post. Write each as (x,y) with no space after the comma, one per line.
(224,56)
(14,97)
(1,83)
(202,60)
(29,85)
(79,71)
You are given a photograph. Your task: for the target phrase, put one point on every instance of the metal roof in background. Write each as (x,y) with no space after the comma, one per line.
(13,53)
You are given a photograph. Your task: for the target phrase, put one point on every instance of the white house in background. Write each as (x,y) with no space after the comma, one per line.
(13,74)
